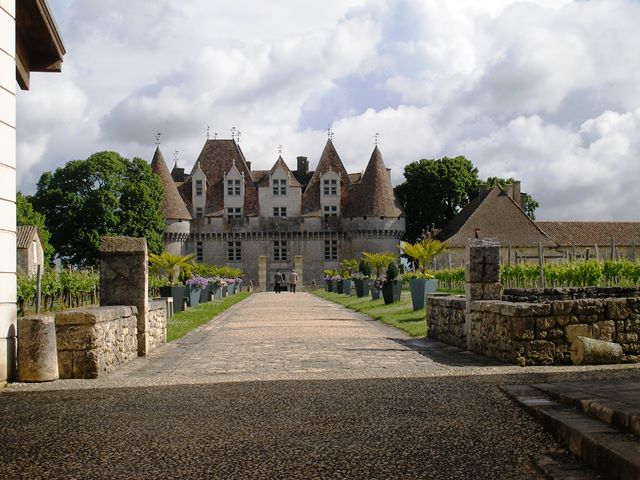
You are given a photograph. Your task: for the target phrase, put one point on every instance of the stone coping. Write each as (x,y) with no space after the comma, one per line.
(449,301)
(157,304)
(93,315)
(123,245)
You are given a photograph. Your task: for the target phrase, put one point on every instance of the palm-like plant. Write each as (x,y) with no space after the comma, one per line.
(423,251)
(168,265)
(379,260)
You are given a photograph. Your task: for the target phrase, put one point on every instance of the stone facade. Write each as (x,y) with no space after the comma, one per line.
(157,323)
(261,221)
(446,317)
(95,341)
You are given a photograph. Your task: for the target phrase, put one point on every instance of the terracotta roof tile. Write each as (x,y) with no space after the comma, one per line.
(374,195)
(592,233)
(172,205)
(497,216)
(25,235)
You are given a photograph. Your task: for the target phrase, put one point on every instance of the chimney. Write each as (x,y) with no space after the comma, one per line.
(249,165)
(303,165)
(482,189)
(517,194)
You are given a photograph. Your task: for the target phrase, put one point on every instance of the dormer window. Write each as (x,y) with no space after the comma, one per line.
(233,187)
(330,211)
(198,188)
(330,187)
(279,186)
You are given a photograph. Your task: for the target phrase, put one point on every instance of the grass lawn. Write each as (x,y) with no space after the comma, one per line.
(400,315)
(183,322)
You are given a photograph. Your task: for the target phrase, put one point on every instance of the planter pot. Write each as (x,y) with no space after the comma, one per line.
(391,292)
(362,287)
(177,293)
(193,296)
(231,289)
(334,286)
(346,287)
(420,288)
(204,294)
(217,292)
(328,285)
(375,293)
(340,286)
(224,291)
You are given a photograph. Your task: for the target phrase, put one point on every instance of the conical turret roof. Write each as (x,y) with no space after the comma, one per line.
(375,196)
(173,208)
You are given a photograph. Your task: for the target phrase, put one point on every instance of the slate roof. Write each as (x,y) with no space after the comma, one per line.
(25,235)
(497,216)
(173,208)
(374,195)
(592,233)
(216,159)
(329,160)
(293,181)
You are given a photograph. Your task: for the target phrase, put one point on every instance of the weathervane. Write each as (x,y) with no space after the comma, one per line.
(158,138)
(208,131)
(215,135)
(376,138)
(233,133)
(330,133)
(280,150)
(175,157)
(238,136)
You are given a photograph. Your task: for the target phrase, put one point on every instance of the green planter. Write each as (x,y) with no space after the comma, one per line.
(339,286)
(177,293)
(328,285)
(362,287)
(420,288)
(375,293)
(346,287)
(193,296)
(391,292)
(217,292)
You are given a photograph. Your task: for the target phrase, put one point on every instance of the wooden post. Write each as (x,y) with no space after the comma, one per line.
(587,254)
(541,263)
(633,252)
(509,255)
(613,248)
(597,252)
(38,288)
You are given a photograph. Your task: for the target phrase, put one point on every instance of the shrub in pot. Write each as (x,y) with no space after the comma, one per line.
(422,282)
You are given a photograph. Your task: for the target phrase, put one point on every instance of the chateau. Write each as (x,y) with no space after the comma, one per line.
(261,221)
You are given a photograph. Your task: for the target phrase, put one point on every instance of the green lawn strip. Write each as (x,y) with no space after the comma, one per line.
(183,322)
(400,315)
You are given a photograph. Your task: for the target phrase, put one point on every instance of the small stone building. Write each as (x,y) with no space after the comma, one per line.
(261,221)
(29,250)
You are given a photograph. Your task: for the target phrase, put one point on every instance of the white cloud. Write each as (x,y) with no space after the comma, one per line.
(544,90)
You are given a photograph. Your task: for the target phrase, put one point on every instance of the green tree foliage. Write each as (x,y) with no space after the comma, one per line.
(434,191)
(26,215)
(105,194)
(530,204)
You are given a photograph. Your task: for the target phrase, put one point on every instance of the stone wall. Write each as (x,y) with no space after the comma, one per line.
(95,341)
(446,317)
(157,322)
(534,295)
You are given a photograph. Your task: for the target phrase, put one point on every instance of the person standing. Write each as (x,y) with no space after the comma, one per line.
(293,279)
(277,281)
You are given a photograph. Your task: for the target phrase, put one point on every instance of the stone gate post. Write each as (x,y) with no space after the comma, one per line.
(482,276)
(124,280)
(262,272)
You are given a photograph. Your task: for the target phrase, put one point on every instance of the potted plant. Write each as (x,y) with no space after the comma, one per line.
(194,288)
(170,267)
(348,266)
(378,262)
(361,279)
(328,285)
(206,292)
(391,286)
(422,282)
(231,286)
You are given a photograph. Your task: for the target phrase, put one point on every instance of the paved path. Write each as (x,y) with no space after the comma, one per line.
(283,386)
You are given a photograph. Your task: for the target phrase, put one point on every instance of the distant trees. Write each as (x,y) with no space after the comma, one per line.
(105,194)
(26,215)
(435,190)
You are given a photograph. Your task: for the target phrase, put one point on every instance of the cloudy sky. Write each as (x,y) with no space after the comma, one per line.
(547,91)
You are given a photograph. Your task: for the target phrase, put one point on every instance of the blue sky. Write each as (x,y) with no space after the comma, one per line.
(547,91)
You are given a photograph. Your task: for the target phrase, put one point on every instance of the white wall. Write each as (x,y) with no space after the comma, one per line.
(7,188)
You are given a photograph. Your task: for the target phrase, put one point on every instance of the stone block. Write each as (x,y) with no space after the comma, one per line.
(87,364)
(632,324)
(92,315)
(536,352)
(571,332)
(604,330)
(588,306)
(617,308)
(37,353)
(563,320)
(77,337)
(562,307)
(483,291)
(65,364)
(522,328)
(626,337)
(545,323)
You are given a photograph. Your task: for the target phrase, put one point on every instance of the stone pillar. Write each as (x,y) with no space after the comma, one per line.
(262,272)
(297,266)
(124,280)
(37,352)
(482,276)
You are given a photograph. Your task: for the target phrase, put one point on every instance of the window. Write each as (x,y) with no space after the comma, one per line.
(198,188)
(198,212)
(233,187)
(330,187)
(279,186)
(199,252)
(280,212)
(331,249)
(280,250)
(209,220)
(330,211)
(234,212)
(234,252)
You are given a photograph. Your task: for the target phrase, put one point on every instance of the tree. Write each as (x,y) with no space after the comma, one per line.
(26,215)
(434,191)
(529,204)
(105,194)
